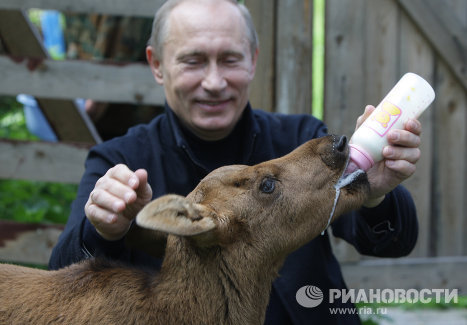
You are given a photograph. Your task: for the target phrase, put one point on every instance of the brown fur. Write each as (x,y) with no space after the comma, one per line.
(227,241)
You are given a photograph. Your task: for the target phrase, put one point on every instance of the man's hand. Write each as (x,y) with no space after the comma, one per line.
(116,199)
(400,157)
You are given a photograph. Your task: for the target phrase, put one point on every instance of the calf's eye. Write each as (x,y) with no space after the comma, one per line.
(267,185)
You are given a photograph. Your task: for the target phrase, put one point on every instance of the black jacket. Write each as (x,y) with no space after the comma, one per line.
(176,161)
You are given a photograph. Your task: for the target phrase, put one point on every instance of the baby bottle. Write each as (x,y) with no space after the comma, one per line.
(408,99)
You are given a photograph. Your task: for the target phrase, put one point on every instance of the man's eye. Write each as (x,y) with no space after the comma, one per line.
(268,185)
(231,60)
(192,62)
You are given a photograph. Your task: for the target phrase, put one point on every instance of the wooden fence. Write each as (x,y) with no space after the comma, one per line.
(370,44)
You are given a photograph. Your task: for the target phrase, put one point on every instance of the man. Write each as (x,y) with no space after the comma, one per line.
(204,54)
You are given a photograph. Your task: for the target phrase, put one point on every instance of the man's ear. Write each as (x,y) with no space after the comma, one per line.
(155,64)
(174,214)
(254,61)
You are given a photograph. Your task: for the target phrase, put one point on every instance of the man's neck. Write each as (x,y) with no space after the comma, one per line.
(213,154)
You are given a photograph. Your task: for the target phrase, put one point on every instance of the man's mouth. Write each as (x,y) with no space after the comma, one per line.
(213,102)
(213,105)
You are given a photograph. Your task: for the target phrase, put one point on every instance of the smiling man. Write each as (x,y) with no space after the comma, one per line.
(204,54)
(206,67)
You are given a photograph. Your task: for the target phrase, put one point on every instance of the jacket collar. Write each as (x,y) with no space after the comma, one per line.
(249,140)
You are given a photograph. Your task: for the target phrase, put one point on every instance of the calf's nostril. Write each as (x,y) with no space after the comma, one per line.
(342,143)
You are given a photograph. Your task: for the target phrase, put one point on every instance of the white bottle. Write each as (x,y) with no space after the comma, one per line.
(408,99)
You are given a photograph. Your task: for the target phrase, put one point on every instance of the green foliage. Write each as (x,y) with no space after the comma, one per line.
(369,322)
(35,17)
(41,202)
(12,121)
(27,201)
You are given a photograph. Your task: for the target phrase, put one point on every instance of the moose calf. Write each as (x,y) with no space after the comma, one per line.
(227,240)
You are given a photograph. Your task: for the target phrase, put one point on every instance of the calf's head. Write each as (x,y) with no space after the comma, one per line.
(277,206)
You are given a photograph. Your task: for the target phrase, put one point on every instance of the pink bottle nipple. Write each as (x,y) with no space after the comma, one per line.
(359,159)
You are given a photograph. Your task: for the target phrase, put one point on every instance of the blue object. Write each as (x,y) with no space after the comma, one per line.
(54,40)
(36,122)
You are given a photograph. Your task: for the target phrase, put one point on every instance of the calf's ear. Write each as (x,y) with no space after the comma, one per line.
(173,214)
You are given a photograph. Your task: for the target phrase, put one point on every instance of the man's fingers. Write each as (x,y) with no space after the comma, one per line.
(120,187)
(412,155)
(414,126)
(124,175)
(98,216)
(110,226)
(144,190)
(116,188)
(403,168)
(115,200)
(404,138)
(107,200)
(368,110)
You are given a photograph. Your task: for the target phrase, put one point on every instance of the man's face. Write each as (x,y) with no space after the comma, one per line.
(207,67)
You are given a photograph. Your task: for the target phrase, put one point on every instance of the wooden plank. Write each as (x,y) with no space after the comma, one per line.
(416,55)
(19,36)
(394,47)
(408,273)
(62,116)
(450,141)
(42,161)
(262,87)
(459,7)
(445,32)
(27,243)
(145,8)
(294,56)
(15,30)
(130,83)
(451,145)
(381,70)
(345,65)
(53,78)
(344,98)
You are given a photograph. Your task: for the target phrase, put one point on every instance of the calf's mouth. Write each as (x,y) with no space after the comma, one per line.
(348,180)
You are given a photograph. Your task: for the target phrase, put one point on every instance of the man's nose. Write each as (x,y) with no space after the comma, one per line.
(214,80)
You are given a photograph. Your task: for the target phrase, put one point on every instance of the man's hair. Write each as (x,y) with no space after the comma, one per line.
(160,26)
